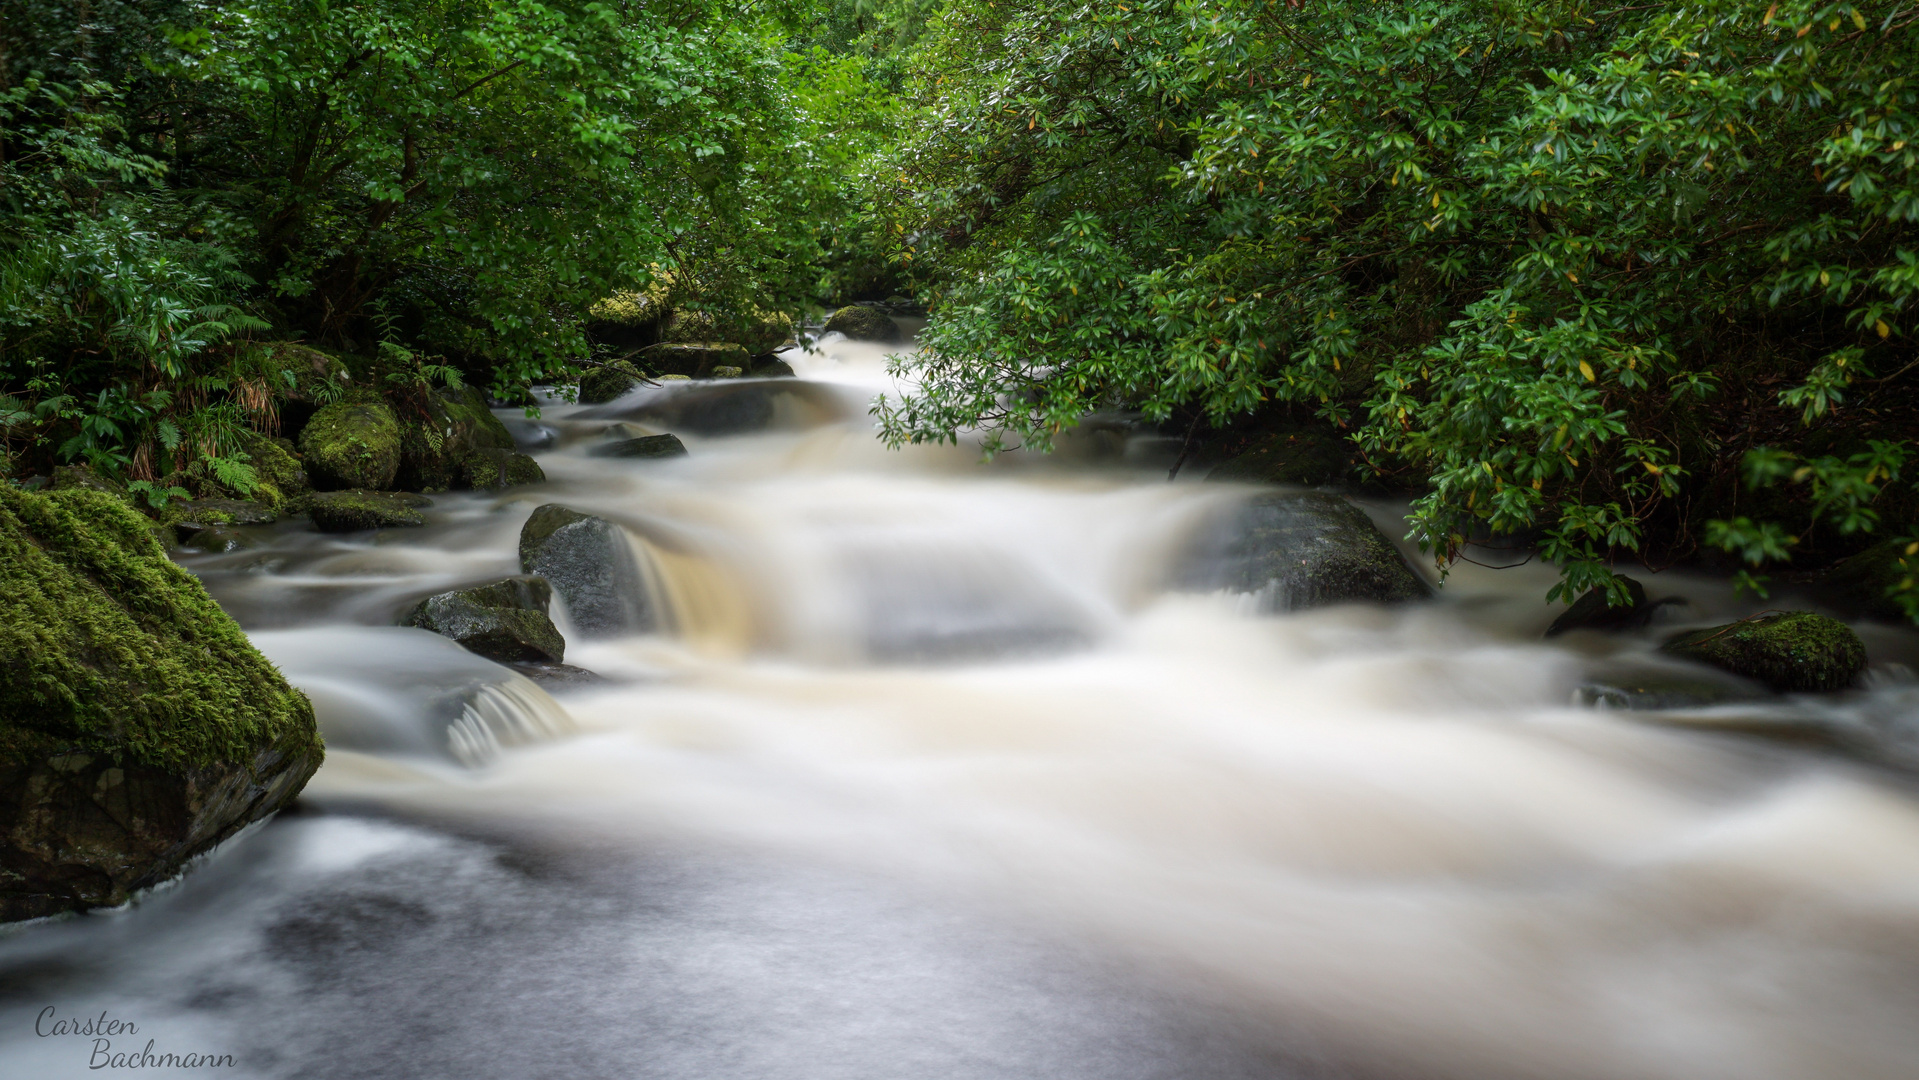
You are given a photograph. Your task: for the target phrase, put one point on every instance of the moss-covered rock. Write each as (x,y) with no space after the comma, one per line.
(223,512)
(1863,585)
(861,323)
(71,477)
(694,359)
(137,726)
(493,468)
(436,440)
(505,621)
(1305,456)
(1295,551)
(358,509)
(352,444)
(283,481)
(608,383)
(1796,651)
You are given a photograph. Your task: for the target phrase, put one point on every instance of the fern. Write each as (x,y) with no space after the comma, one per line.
(234,473)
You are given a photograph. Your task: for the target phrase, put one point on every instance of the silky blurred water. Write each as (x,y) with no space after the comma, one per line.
(928,772)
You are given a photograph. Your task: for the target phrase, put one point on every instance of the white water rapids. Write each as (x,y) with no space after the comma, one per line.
(928,774)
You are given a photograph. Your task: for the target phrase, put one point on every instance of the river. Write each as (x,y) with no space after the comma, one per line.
(929,774)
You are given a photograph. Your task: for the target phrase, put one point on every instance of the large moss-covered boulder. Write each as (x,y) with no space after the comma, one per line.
(439,439)
(359,510)
(505,621)
(283,483)
(1305,550)
(861,323)
(352,444)
(589,562)
(1792,652)
(1864,585)
(138,727)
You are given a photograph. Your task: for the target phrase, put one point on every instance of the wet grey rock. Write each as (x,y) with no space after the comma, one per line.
(1297,551)
(589,562)
(505,621)
(558,678)
(861,323)
(1590,611)
(646,446)
(356,510)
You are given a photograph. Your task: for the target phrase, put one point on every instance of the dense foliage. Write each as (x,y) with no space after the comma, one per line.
(423,184)
(1609,281)
(1563,265)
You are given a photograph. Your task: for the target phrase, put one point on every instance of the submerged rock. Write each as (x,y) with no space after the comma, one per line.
(558,678)
(1861,586)
(354,511)
(1795,651)
(505,621)
(1591,612)
(1306,550)
(861,323)
(138,728)
(1652,685)
(494,468)
(352,445)
(646,446)
(589,562)
(211,539)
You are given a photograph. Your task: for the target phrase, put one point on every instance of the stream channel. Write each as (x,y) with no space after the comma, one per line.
(927,772)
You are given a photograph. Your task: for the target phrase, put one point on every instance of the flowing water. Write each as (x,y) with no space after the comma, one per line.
(926,771)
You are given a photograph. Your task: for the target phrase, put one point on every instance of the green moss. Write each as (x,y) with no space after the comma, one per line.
(864,324)
(358,509)
(546,521)
(283,479)
(1863,585)
(110,648)
(604,384)
(1796,651)
(352,444)
(494,468)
